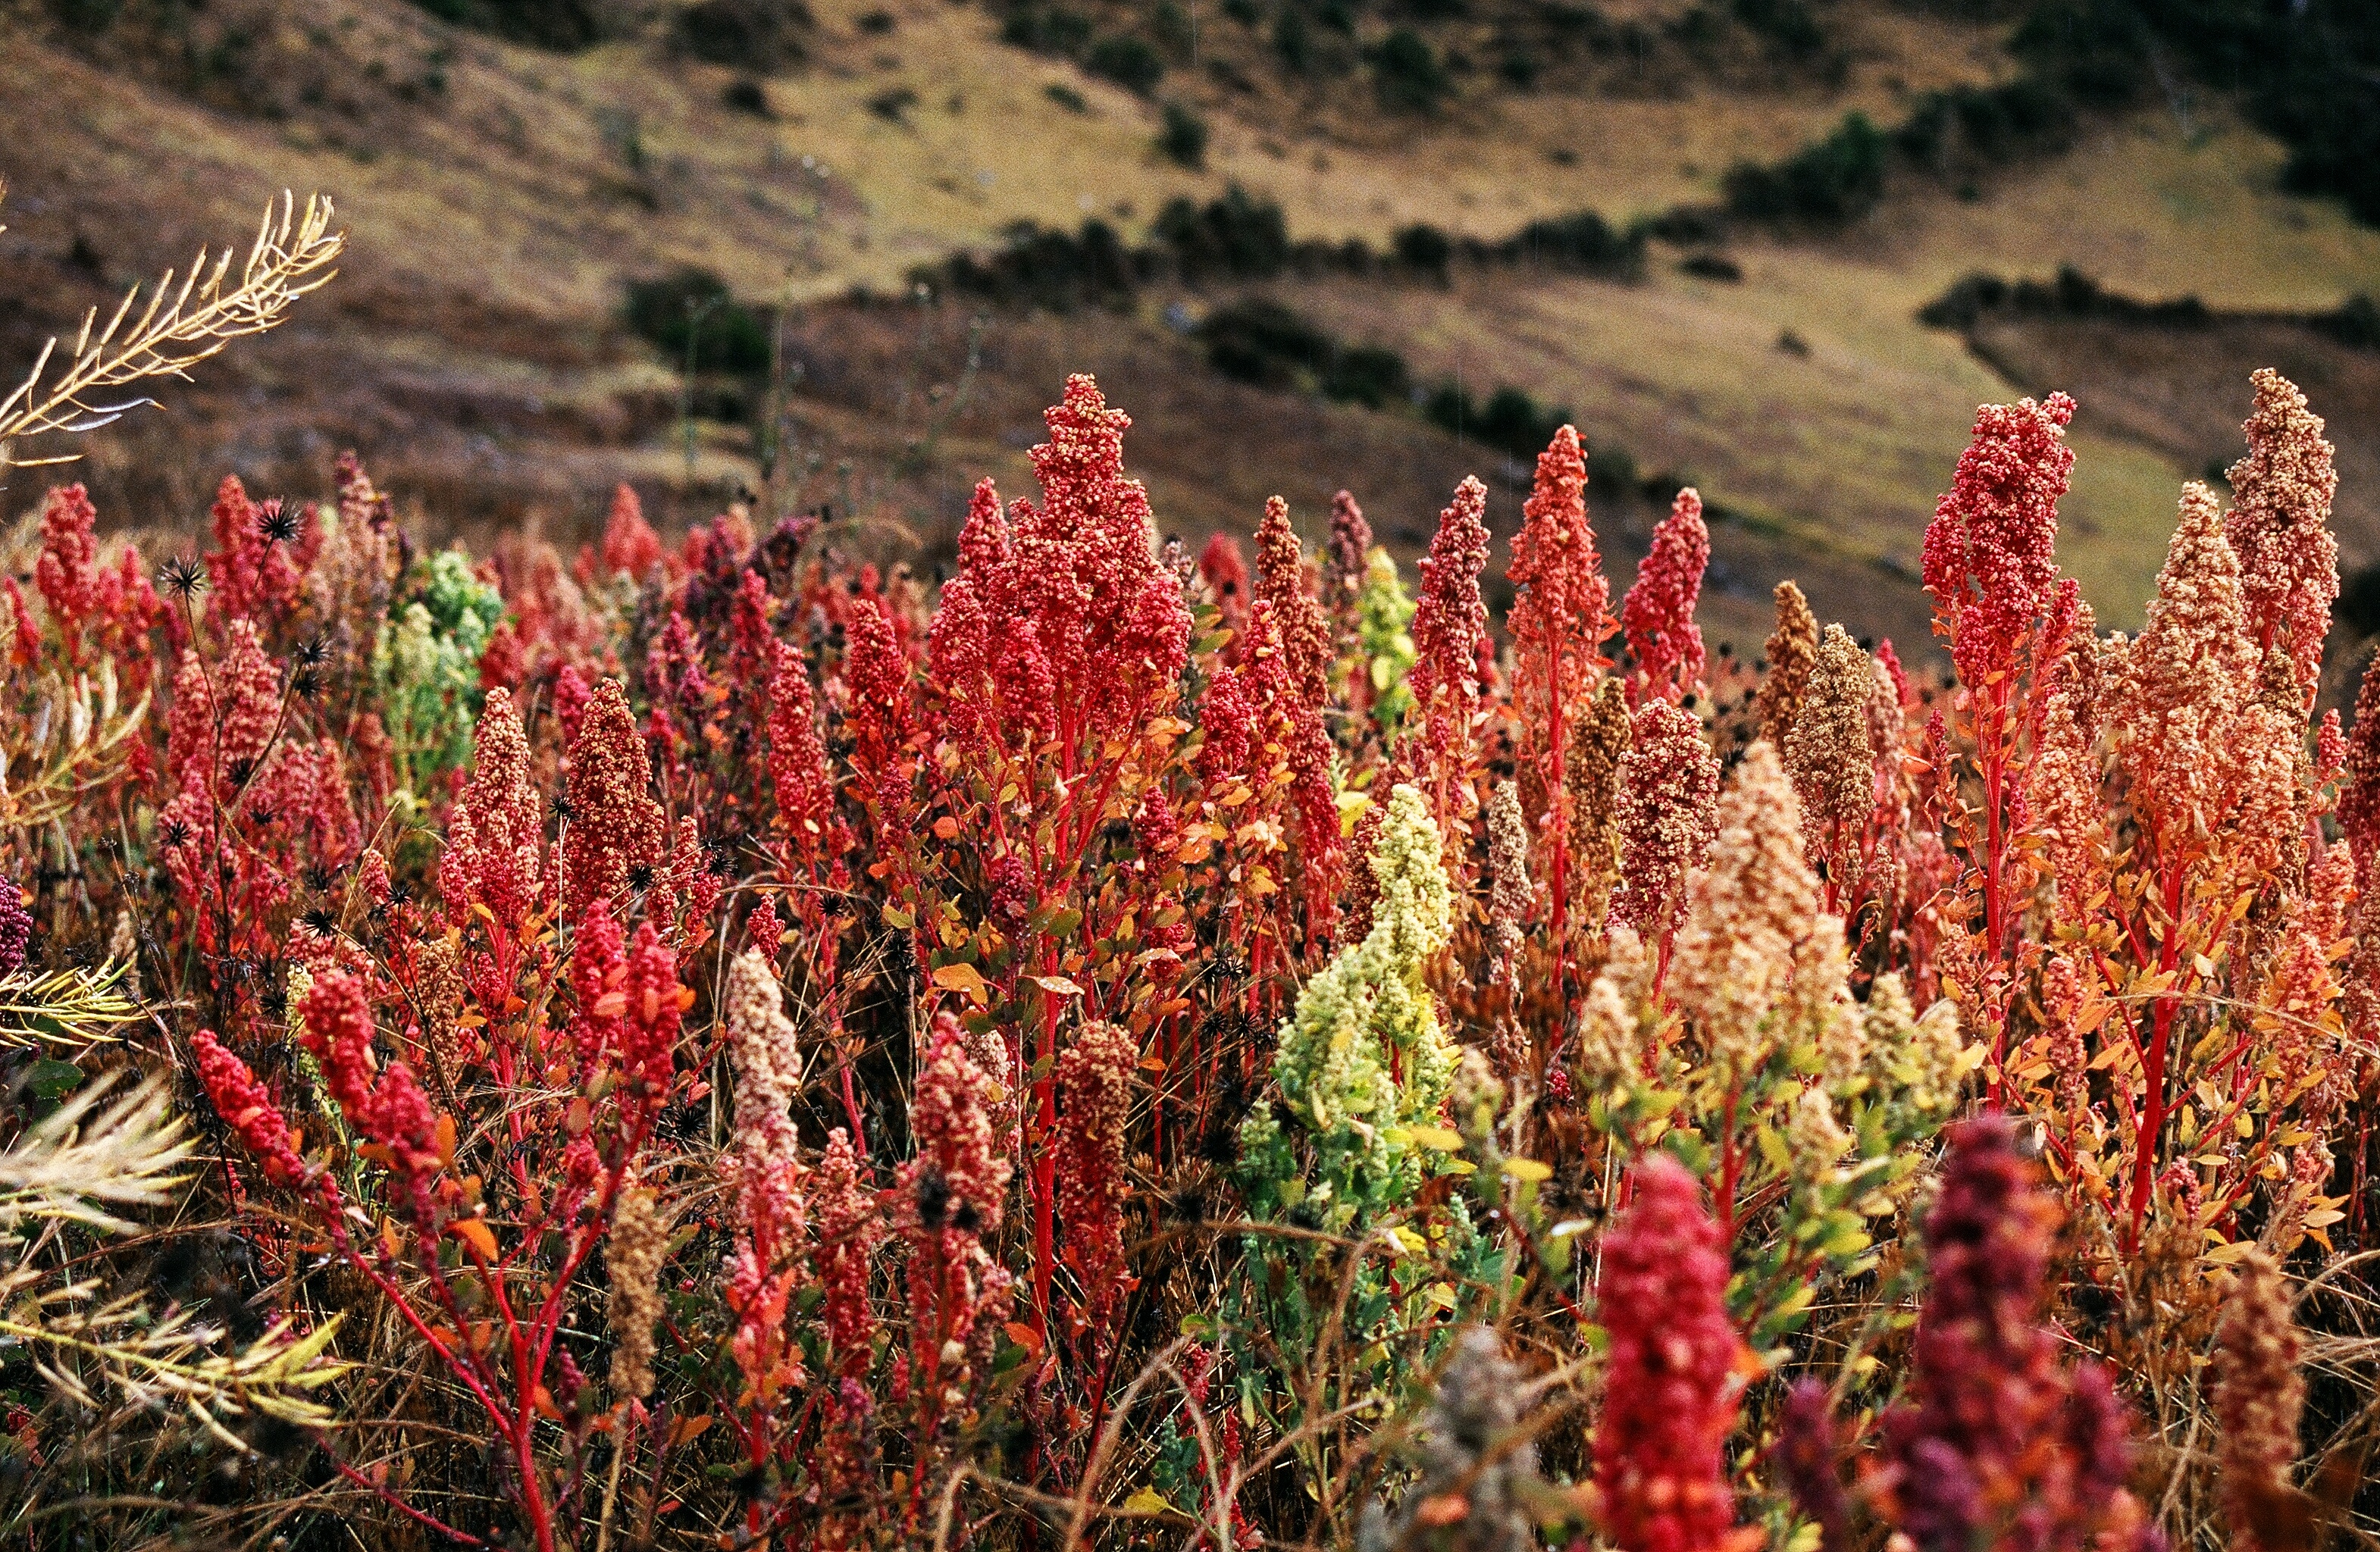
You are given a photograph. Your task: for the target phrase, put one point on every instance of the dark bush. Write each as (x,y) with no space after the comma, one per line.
(1183,138)
(1128,62)
(1259,341)
(1426,251)
(1047,30)
(1294,40)
(1582,242)
(1407,73)
(1036,267)
(1237,235)
(1712,266)
(693,306)
(747,96)
(1838,180)
(1066,97)
(2356,324)
(547,24)
(1510,421)
(756,35)
(1370,375)
(1787,24)
(2072,294)
(877,24)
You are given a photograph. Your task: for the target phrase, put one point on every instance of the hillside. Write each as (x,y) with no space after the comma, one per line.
(502,196)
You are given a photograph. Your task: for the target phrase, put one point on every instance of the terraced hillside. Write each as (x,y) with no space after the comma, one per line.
(509,174)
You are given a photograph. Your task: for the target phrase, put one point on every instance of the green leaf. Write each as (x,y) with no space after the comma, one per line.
(52,1081)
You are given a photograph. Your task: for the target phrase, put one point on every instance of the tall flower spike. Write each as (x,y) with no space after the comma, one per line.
(1363,1049)
(616,827)
(1598,746)
(845,1228)
(2359,786)
(950,1195)
(797,761)
(2189,679)
(2279,527)
(2257,1398)
(1791,652)
(1674,1374)
(1280,581)
(769,1205)
(1351,549)
(1829,749)
(248,1108)
(495,839)
(631,549)
(1094,1078)
(633,1256)
(1063,622)
(1997,1445)
(1669,793)
(1657,615)
(1510,894)
(1749,913)
(1559,620)
(1449,625)
(1990,557)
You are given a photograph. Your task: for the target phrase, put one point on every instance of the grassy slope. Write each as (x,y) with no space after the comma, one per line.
(470,343)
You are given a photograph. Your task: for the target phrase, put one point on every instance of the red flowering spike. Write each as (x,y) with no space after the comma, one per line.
(1449,626)
(1990,554)
(495,838)
(1350,550)
(1657,615)
(616,828)
(1280,582)
(1560,608)
(247,1109)
(2288,561)
(1997,1445)
(630,546)
(797,761)
(1669,812)
(1674,1371)
(845,1228)
(1095,1079)
(880,715)
(2358,791)
(1225,571)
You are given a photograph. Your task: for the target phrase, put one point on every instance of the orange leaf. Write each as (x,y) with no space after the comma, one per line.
(685,1429)
(963,977)
(475,1233)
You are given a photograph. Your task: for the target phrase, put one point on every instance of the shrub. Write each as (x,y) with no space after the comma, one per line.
(1128,62)
(1237,235)
(763,36)
(552,24)
(1183,138)
(1423,249)
(1407,73)
(1840,178)
(1047,30)
(694,306)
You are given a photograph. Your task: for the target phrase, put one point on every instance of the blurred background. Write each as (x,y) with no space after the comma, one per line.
(834,256)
